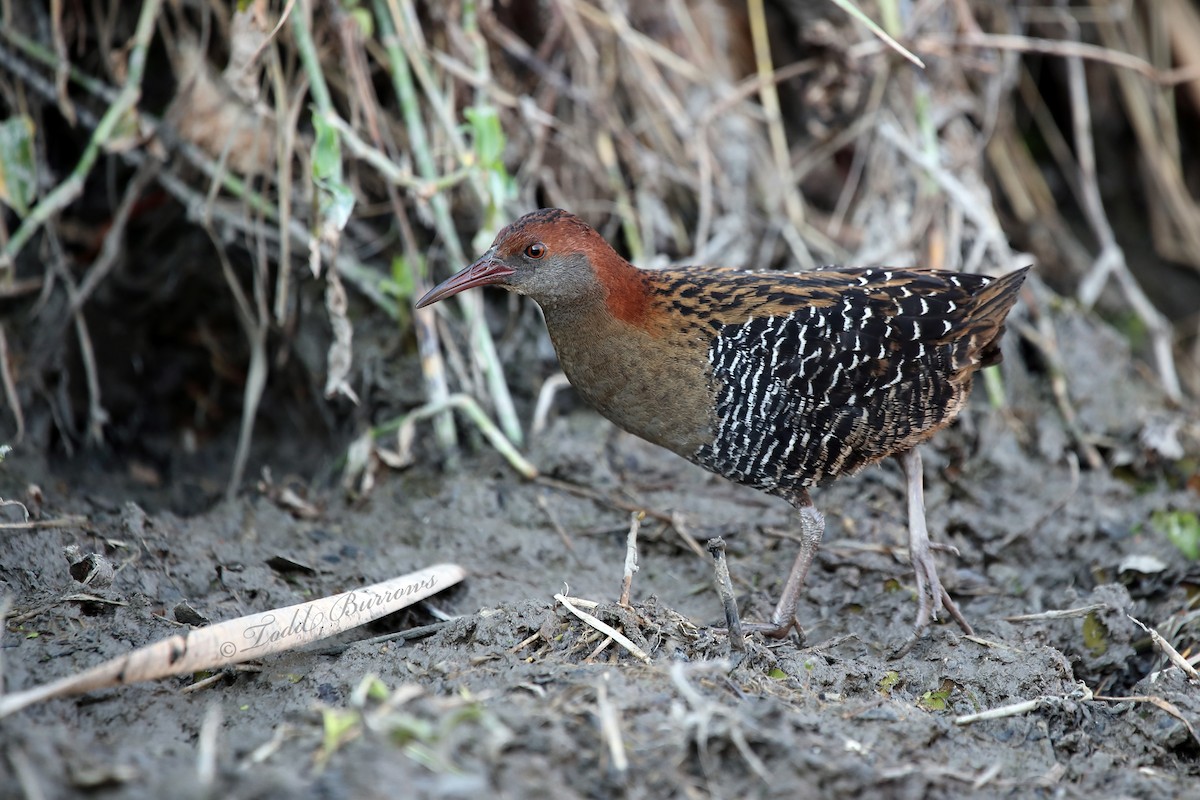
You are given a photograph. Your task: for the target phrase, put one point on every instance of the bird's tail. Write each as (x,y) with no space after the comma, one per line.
(992,305)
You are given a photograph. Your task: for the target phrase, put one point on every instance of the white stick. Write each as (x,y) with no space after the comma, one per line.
(249,637)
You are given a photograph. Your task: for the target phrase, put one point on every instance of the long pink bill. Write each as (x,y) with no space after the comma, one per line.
(483,272)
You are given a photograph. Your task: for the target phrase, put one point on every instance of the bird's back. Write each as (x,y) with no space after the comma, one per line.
(819,374)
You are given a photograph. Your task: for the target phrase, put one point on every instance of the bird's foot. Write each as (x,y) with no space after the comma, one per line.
(737,629)
(932,598)
(931,595)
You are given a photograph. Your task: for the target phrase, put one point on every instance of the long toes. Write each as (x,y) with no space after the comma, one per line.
(952,607)
(932,595)
(937,595)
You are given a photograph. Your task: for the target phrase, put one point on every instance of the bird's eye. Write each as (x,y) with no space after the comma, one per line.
(536,250)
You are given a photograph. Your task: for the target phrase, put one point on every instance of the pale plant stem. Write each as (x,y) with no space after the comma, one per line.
(124,103)
(484,349)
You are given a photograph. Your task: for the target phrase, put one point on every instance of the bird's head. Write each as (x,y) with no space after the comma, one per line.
(550,255)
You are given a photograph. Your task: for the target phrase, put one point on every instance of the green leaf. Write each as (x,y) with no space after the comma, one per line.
(487,136)
(933,701)
(404,729)
(488,141)
(365,22)
(401,286)
(888,682)
(1095,635)
(938,699)
(335,201)
(327,151)
(18,164)
(777,674)
(378,690)
(1182,528)
(339,727)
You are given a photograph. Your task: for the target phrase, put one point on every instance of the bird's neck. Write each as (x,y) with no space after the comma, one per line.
(613,288)
(584,329)
(618,306)
(625,362)
(626,289)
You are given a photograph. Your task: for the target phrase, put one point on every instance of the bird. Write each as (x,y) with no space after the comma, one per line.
(780,381)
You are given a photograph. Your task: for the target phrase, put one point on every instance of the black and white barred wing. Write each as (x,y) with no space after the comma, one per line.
(859,364)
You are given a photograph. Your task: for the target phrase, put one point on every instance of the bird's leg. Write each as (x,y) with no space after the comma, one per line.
(812,528)
(931,595)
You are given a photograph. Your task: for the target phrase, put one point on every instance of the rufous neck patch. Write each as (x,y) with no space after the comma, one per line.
(626,295)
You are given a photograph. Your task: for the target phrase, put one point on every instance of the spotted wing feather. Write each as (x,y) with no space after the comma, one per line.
(821,374)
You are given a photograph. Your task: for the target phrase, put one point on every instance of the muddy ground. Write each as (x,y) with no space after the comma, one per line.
(509,697)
